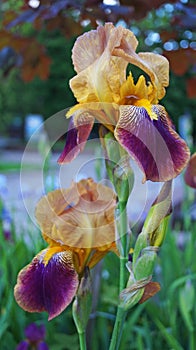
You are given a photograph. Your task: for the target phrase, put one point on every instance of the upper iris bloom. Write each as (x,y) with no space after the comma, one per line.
(126,107)
(78,225)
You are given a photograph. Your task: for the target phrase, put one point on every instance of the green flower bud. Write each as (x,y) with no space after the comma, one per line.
(155,225)
(140,244)
(144,266)
(117,165)
(82,304)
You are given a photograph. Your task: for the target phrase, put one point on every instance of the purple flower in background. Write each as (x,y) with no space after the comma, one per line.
(6,221)
(34,338)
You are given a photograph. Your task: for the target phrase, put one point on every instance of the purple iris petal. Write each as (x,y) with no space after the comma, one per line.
(157,148)
(47,286)
(23,345)
(35,333)
(78,133)
(42,346)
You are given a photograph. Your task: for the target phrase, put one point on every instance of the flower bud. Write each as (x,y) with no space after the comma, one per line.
(190,173)
(83,302)
(117,165)
(155,225)
(144,266)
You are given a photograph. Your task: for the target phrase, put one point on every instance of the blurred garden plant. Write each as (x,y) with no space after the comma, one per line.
(83,223)
(34,338)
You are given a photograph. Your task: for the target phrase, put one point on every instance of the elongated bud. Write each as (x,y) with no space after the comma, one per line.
(140,244)
(123,179)
(144,266)
(155,225)
(83,302)
(117,165)
(190,173)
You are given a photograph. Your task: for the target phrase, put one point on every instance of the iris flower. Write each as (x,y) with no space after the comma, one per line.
(78,225)
(34,338)
(128,108)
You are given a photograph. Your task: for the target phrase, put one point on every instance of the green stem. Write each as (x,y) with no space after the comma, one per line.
(118,327)
(123,273)
(124,242)
(121,313)
(192,341)
(82,340)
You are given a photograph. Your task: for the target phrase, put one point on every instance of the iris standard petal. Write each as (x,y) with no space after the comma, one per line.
(156,147)
(155,65)
(100,73)
(48,283)
(87,219)
(79,129)
(35,333)
(108,36)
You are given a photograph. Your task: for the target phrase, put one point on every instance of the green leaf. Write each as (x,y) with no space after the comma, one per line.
(65,342)
(186,302)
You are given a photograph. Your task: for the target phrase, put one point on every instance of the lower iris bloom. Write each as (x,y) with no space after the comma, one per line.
(128,108)
(78,225)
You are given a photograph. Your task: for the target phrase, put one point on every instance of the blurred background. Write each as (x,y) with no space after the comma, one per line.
(36,39)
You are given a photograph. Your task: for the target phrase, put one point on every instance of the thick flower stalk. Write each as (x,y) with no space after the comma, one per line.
(78,225)
(130,109)
(139,286)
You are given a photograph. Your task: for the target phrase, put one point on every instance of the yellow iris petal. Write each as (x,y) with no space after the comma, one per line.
(139,94)
(100,58)
(100,73)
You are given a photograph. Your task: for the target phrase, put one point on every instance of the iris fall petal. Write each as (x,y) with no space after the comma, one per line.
(157,148)
(79,130)
(48,283)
